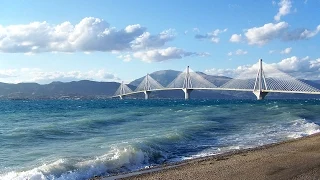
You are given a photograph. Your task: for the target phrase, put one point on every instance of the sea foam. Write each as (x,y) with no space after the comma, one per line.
(118,160)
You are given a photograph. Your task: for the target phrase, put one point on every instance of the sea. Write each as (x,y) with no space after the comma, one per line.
(80,139)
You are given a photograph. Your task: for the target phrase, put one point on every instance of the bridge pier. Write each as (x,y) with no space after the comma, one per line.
(147,94)
(260,83)
(187,93)
(260,95)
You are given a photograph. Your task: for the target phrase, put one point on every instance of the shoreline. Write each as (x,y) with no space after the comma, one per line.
(291,159)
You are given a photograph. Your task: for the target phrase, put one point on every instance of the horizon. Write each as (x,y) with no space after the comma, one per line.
(118,41)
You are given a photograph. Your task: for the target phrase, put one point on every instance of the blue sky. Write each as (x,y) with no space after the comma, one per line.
(45,41)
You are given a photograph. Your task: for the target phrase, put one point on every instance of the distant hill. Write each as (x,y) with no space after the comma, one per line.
(86,89)
(56,90)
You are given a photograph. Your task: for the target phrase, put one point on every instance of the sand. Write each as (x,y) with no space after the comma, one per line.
(295,159)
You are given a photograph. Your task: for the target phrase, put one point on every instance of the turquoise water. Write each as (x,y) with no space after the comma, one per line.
(79,139)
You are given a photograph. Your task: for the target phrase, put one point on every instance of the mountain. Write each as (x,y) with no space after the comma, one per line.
(57,90)
(86,89)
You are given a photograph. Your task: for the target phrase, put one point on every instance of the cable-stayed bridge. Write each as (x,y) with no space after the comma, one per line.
(261,80)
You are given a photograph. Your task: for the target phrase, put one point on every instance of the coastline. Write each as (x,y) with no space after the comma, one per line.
(292,159)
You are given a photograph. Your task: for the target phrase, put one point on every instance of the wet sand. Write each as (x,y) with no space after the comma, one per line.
(296,159)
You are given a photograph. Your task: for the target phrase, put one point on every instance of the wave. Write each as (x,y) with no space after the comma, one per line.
(258,136)
(119,159)
(301,127)
(122,141)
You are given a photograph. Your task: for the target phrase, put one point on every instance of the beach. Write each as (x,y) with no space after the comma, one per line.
(294,159)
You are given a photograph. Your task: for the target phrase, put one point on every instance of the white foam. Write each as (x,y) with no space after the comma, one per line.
(117,160)
(259,135)
(302,127)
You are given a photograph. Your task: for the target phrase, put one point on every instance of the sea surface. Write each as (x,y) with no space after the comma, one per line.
(80,139)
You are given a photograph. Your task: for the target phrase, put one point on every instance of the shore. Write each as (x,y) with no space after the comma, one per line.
(294,159)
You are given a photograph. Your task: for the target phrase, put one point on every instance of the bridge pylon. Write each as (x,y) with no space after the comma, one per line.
(187,84)
(147,85)
(260,83)
(122,90)
(147,88)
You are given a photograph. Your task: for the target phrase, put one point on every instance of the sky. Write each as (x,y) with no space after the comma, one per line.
(121,40)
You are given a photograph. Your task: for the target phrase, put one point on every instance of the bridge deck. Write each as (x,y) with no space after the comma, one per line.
(221,89)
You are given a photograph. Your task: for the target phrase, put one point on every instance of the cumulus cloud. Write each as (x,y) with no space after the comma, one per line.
(232,72)
(90,34)
(8,73)
(212,36)
(301,68)
(146,40)
(286,50)
(158,55)
(271,31)
(238,52)
(266,33)
(43,77)
(236,38)
(300,34)
(293,64)
(284,9)
(309,34)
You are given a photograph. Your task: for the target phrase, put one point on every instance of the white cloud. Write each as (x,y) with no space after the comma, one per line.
(292,64)
(238,52)
(125,58)
(284,9)
(309,34)
(236,38)
(271,51)
(196,30)
(241,52)
(90,34)
(212,36)
(203,54)
(158,55)
(315,63)
(146,40)
(43,77)
(271,31)
(301,68)
(8,73)
(232,72)
(286,50)
(266,33)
